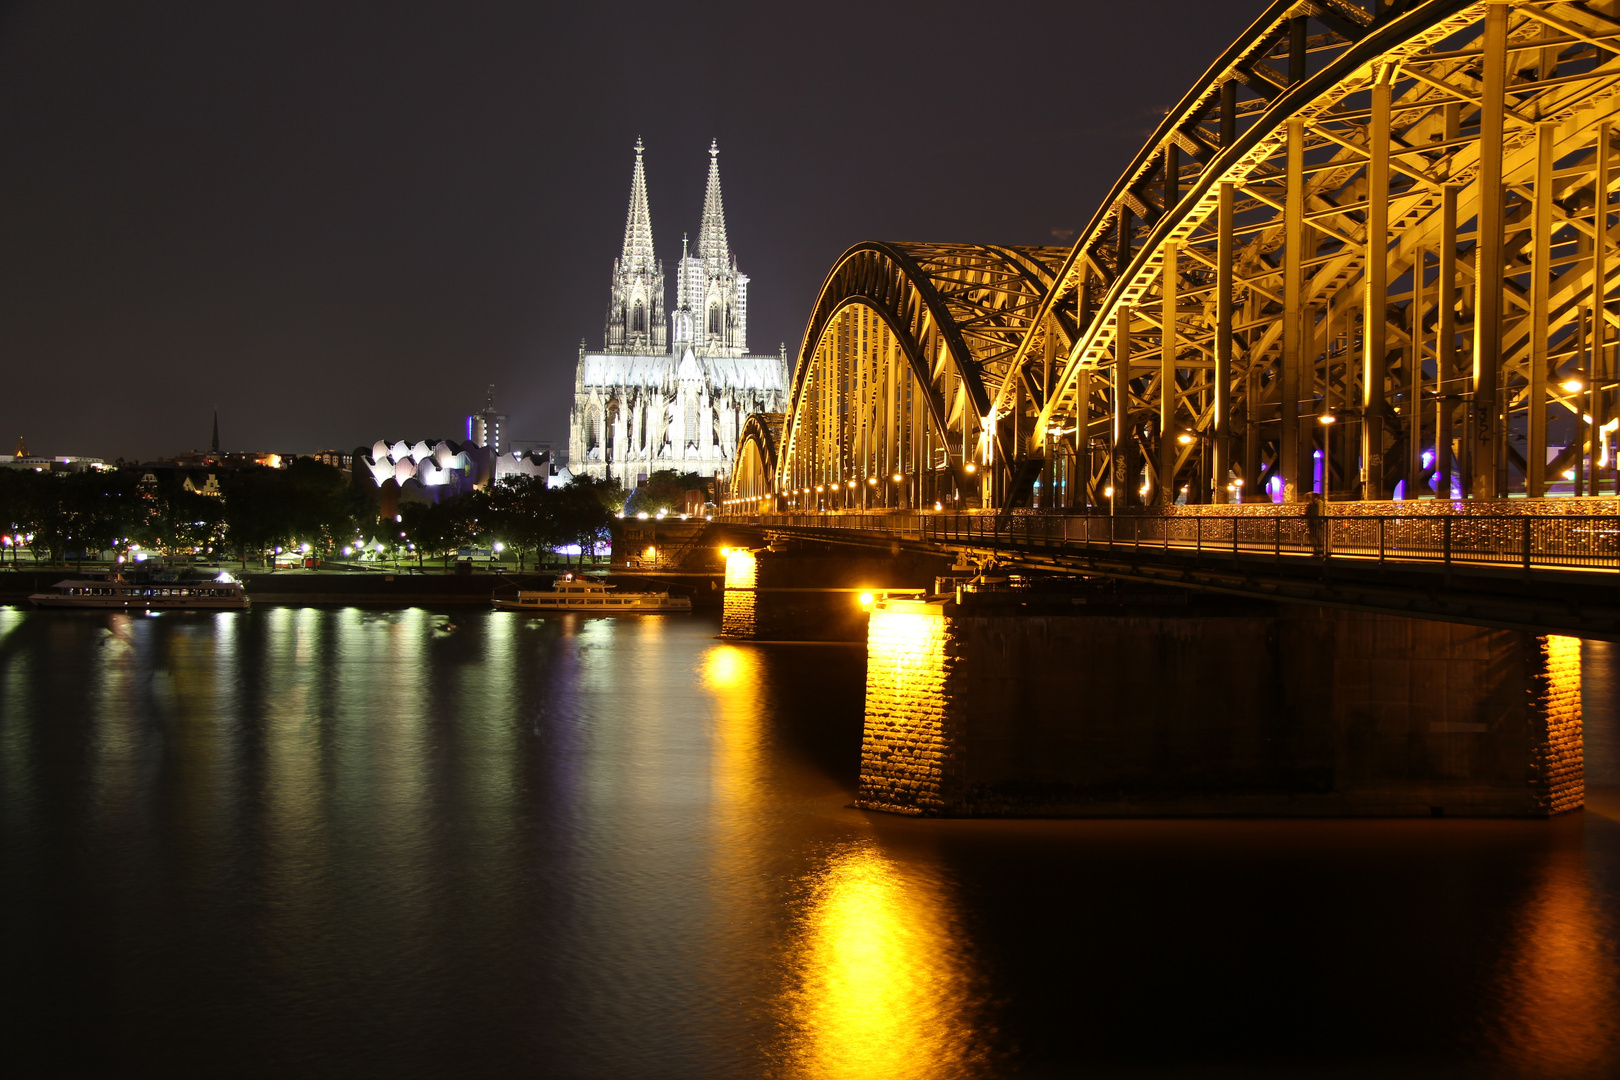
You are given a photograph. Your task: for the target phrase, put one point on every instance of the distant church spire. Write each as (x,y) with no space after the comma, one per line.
(635,320)
(712,232)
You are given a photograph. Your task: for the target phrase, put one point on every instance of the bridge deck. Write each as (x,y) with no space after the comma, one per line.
(1549,573)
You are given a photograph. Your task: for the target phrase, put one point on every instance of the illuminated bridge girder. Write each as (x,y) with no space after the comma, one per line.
(907,346)
(1440,361)
(1222,303)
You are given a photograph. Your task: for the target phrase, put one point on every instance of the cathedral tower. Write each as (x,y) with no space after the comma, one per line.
(671,393)
(635,322)
(711,297)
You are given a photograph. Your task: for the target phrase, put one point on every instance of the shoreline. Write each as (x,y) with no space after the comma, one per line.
(373,588)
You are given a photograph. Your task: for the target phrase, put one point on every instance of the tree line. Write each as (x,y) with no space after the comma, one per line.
(260,510)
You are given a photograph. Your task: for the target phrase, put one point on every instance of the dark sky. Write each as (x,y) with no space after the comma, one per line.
(341,220)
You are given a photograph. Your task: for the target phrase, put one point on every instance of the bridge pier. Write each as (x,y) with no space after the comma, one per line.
(996,706)
(812,592)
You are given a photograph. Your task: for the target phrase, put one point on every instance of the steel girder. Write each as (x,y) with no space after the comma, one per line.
(1245,303)
(1220,318)
(753,477)
(906,347)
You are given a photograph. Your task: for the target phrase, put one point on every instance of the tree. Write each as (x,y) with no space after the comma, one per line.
(96,510)
(307,502)
(584,510)
(665,490)
(177,518)
(521,512)
(29,508)
(436,529)
(257,511)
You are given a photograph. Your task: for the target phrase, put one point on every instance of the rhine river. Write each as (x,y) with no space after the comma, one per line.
(335,842)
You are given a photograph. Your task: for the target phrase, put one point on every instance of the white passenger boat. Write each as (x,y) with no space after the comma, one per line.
(145,591)
(593,598)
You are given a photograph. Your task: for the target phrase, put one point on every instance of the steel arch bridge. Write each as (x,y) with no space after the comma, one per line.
(1369,252)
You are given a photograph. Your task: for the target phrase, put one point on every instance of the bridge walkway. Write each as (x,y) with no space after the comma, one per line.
(1541,572)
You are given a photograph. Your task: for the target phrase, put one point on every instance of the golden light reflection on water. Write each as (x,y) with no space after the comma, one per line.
(1560,1014)
(882,987)
(732,675)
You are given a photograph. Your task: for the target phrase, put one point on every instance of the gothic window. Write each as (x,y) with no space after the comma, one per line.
(691,423)
(593,428)
(638,319)
(714,318)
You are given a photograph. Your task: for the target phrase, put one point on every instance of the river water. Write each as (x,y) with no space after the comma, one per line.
(334,842)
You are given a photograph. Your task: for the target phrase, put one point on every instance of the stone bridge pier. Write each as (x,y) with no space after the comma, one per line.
(996,704)
(812,592)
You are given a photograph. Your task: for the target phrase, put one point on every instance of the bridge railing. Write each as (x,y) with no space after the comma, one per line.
(1525,541)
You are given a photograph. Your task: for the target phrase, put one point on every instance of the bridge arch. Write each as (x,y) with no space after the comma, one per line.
(753,476)
(905,348)
(1369,252)
(1266,341)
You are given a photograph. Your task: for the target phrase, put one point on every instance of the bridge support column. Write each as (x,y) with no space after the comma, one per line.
(1375,325)
(1484,428)
(1120,478)
(1000,708)
(1223,345)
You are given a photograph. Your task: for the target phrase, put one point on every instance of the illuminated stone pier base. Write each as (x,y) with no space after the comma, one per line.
(1241,709)
(813,594)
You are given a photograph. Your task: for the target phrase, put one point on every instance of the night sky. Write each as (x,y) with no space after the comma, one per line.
(340,221)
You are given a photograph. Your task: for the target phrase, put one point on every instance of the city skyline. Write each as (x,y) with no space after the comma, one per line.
(335,221)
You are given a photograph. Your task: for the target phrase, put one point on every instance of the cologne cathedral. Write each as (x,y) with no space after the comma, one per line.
(671,387)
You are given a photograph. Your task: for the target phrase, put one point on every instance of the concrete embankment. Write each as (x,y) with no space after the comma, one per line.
(381,589)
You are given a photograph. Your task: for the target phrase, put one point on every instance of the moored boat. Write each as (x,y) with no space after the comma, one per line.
(145,591)
(592,598)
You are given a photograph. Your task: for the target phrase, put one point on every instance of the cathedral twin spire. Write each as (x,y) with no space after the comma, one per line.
(711,296)
(638,241)
(712,233)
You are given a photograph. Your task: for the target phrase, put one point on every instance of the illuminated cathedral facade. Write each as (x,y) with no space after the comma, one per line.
(671,388)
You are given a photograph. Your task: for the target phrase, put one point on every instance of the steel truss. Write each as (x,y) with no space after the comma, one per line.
(1366,252)
(904,350)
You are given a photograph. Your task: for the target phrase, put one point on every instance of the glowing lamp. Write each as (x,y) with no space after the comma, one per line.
(871,479)
(1184,439)
(970,468)
(1572,385)
(897,478)
(1326,418)
(852,483)
(866,599)
(1108,493)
